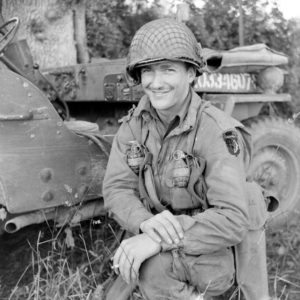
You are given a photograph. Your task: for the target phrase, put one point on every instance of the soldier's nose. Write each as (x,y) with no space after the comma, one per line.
(156,81)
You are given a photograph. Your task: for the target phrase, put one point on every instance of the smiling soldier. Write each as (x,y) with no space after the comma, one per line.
(176,178)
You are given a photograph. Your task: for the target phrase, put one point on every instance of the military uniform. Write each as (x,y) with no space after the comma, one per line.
(212,207)
(196,169)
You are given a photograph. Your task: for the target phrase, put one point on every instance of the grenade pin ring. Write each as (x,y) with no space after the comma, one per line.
(179,154)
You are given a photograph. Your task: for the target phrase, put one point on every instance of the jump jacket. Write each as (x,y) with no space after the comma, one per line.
(221,213)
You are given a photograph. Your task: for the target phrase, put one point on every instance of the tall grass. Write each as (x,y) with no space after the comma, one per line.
(77,263)
(284,261)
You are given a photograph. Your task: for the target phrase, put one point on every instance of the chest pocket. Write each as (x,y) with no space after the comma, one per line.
(183,175)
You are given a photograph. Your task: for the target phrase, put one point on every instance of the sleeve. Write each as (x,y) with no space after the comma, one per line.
(225,223)
(120,185)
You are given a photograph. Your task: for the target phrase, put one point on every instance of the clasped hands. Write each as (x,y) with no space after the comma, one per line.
(132,252)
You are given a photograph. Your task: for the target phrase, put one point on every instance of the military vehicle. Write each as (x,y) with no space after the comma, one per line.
(48,171)
(57,126)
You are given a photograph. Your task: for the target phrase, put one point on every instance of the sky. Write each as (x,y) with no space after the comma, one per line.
(289,8)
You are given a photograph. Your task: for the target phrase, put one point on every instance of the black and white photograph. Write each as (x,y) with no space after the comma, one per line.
(149,150)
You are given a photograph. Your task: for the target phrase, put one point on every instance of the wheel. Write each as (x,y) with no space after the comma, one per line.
(8,31)
(276,163)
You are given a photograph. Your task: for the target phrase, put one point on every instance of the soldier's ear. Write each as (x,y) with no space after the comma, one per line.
(191,74)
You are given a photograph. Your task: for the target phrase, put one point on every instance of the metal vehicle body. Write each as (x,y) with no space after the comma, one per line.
(49,171)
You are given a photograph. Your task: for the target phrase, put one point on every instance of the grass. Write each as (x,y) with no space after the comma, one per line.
(284,261)
(76,263)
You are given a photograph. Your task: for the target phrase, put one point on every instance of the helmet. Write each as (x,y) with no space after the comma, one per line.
(160,40)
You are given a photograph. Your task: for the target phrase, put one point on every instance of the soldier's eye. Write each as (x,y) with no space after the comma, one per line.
(145,70)
(168,68)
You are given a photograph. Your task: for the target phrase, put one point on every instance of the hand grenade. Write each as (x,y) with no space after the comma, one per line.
(181,171)
(135,156)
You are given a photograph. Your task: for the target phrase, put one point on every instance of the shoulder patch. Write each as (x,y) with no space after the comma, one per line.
(231,139)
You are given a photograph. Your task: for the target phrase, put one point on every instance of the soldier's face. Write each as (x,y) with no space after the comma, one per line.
(167,84)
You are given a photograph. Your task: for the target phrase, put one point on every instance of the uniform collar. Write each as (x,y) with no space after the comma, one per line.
(145,109)
(187,117)
(189,120)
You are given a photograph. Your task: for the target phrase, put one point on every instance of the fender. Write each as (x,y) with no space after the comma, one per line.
(44,164)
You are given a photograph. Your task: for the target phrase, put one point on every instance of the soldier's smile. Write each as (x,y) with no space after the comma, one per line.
(160,93)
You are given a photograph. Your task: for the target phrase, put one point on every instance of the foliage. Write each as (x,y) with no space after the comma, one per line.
(263,23)
(112,24)
(294,63)
(105,27)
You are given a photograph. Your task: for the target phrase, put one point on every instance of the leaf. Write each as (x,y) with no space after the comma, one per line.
(70,242)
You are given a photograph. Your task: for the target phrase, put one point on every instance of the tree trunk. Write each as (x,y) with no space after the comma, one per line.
(80,32)
(48,27)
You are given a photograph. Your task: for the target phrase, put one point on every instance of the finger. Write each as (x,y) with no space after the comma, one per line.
(162,231)
(116,259)
(170,230)
(125,267)
(176,224)
(122,266)
(148,227)
(135,270)
(154,235)
(155,228)
(119,253)
(115,268)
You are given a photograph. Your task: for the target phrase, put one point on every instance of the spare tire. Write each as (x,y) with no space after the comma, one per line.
(276,164)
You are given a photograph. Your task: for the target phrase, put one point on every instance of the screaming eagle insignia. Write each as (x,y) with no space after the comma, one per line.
(231,139)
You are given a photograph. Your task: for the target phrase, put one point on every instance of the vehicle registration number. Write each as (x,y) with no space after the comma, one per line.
(218,82)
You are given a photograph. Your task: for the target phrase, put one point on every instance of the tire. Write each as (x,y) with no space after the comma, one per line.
(276,164)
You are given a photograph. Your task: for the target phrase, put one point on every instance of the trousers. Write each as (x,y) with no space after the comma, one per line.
(171,275)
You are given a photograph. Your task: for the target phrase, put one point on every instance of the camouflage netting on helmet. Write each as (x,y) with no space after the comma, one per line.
(160,40)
